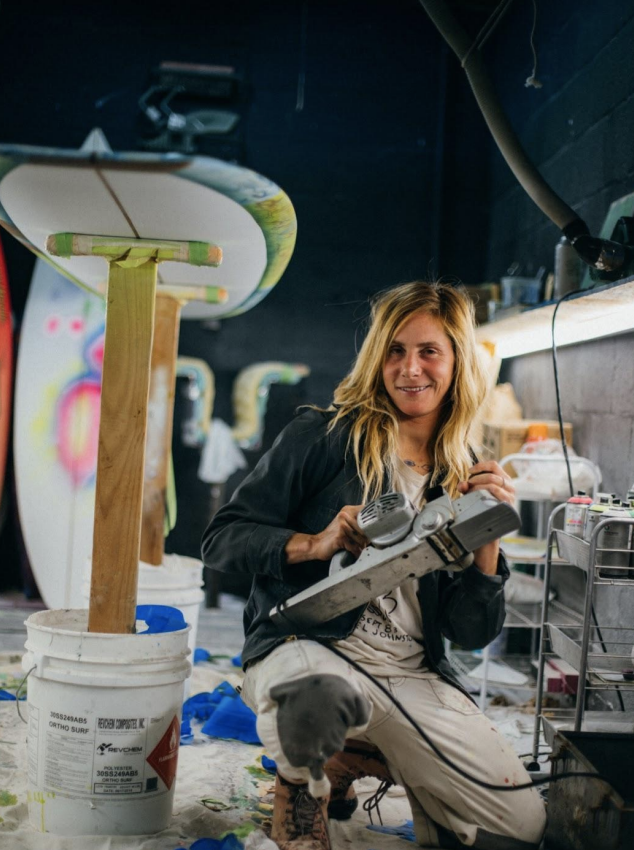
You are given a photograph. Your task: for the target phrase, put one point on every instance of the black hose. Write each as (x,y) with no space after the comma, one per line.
(509,144)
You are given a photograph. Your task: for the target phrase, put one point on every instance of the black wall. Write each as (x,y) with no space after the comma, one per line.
(388,162)
(367,159)
(578,128)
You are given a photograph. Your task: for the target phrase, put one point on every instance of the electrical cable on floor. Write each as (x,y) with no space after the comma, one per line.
(490,786)
(560,419)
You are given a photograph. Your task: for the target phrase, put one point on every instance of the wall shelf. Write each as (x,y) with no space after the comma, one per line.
(604,311)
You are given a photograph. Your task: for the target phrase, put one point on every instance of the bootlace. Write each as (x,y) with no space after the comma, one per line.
(306,810)
(372,803)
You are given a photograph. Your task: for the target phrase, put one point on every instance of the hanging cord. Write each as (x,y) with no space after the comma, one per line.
(490,786)
(556,374)
(532,79)
(489,28)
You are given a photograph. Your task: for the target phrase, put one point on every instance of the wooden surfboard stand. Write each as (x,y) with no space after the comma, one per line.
(128,359)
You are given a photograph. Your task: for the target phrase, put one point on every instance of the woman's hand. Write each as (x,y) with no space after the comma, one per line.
(489,475)
(342,533)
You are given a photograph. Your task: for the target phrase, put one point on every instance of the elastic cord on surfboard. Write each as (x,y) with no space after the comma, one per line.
(490,786)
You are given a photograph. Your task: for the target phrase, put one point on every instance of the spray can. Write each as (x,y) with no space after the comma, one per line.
(567,268)
(595,514)
(575,513)
(616,535)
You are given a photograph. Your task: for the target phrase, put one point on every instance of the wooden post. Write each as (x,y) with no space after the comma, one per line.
(160,422)
(125,386)
(121,455)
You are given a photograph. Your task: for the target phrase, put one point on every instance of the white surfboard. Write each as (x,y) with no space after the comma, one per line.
(151,196)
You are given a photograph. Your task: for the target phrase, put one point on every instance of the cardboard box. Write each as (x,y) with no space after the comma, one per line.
(498,440)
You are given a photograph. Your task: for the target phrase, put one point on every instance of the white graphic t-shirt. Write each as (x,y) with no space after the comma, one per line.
(388,637)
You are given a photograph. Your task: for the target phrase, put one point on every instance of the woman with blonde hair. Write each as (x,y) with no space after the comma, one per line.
(400,420)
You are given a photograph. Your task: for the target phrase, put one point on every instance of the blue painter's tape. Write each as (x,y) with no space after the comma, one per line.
(201,654)
(232,719)
(405,830)
(160,618)
(187,736)
(269,764)
(229,842)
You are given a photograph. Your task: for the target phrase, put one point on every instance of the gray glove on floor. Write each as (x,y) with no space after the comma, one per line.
(314,716)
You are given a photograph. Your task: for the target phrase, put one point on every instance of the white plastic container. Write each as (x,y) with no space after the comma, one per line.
(104,726)
(177,582)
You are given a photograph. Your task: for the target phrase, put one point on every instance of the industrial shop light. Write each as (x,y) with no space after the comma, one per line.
(606,311)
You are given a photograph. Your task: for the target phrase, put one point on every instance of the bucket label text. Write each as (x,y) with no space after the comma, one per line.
(84,755)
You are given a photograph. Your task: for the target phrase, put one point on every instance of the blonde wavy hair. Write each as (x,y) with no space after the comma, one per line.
(361,396)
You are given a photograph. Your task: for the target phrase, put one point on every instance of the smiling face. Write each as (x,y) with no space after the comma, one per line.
(419,368)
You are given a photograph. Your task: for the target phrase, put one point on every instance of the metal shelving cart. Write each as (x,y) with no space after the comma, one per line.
(575,638)
(533,552)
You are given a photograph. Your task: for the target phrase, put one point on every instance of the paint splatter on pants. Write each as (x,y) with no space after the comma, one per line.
(437,794)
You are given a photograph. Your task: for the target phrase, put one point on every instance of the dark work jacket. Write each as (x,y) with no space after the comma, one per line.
(299,485)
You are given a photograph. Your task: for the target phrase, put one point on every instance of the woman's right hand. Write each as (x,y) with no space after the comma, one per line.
(342,533)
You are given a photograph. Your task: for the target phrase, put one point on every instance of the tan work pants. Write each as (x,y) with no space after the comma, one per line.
(437,794)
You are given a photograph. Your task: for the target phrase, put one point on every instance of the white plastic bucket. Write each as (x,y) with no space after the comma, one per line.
(104,726)
(177,582)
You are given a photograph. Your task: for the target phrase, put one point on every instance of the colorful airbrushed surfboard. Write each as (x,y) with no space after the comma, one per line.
(6,370)
(43,191)
(57,397)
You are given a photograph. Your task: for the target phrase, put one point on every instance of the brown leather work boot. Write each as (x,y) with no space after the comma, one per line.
(356,760)
(300,821)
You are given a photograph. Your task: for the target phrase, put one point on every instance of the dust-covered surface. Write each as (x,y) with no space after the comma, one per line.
(221,785)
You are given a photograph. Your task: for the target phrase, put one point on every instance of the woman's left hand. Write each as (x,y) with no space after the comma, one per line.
(489,475)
